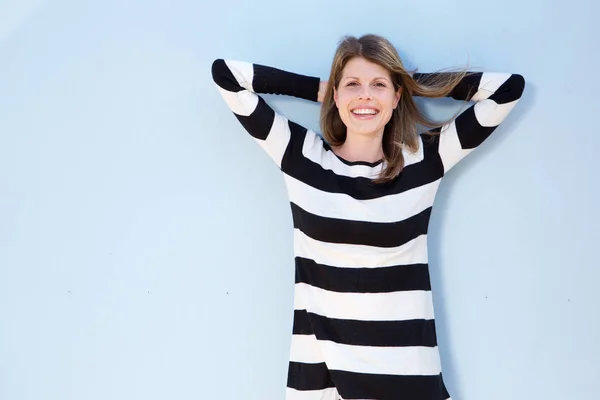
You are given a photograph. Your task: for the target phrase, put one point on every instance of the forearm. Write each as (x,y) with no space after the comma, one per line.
(237,75)
(478,86)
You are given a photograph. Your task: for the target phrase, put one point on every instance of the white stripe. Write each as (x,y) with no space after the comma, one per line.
(360,256)
(243,72)
(489,83)
(278,139)
(382,360)
(411,360)
(305,349)
(242,103)
(390,208)
(325,394)
(313,150)
(413,158)
(488,113)
(394,306)
(450,149)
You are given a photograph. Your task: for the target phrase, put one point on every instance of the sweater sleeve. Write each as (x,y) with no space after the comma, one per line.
(239,82)
(494,94)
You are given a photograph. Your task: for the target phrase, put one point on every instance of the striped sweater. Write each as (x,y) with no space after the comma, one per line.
(363,315)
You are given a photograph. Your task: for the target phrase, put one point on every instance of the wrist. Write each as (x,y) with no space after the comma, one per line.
(322,91)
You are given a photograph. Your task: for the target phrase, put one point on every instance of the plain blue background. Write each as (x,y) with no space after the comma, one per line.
(146,242)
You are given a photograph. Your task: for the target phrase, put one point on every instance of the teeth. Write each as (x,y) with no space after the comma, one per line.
(364,111)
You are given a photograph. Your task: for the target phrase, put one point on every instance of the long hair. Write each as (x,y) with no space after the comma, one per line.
(401,130)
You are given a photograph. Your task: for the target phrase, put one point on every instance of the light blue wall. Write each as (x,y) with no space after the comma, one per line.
(145,240)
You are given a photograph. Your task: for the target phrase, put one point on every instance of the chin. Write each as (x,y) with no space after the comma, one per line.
(367,131)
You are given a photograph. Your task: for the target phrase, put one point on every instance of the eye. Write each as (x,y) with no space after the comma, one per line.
(380,84)
(352,84)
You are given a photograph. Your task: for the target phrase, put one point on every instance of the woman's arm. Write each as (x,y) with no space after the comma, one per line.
(495,95)
(239,82)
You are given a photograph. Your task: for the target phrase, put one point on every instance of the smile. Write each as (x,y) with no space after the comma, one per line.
(365,111)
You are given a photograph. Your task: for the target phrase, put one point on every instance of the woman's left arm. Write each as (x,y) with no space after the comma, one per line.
(494,94)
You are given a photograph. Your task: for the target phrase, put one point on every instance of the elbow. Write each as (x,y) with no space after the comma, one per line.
(217,68)
(223,76)
(518,83)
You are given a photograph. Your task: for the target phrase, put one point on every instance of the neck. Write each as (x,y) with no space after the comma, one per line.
(361,148)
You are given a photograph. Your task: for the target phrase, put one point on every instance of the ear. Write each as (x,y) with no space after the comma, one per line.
(335,95)
(397,97)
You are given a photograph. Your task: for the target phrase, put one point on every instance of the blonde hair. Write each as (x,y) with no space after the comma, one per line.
(401,130)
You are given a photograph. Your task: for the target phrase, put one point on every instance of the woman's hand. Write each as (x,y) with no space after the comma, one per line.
(322,89)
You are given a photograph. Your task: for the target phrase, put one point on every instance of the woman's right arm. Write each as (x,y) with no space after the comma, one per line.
(239,82)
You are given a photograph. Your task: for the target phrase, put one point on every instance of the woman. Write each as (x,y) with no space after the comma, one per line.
(361,199)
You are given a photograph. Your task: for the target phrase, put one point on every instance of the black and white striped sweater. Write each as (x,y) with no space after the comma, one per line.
(363,316)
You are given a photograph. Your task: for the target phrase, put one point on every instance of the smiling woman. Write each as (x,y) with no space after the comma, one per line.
(365,99)
(369,70)
(361,199)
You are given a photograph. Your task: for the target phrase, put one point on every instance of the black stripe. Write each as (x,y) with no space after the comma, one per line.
(259,123)
(223,76)
(417,332)
(467,87)
(277,81)
(352,385)
(470,132)
(510,90)
(363,280)
(301,324)
(303,376)
(379,234)
(296,165)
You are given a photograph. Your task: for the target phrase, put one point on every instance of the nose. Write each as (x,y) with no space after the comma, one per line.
(364,92)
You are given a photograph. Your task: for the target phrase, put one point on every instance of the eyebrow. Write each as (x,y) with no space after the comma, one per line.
(377,77)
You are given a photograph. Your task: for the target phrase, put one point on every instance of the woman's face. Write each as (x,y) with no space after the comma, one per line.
(365,97)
